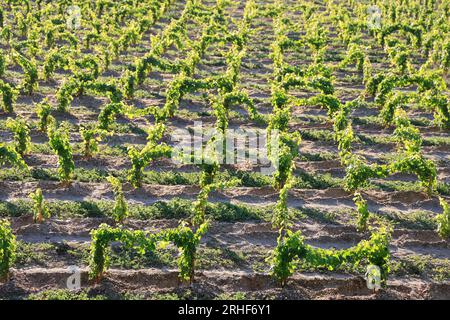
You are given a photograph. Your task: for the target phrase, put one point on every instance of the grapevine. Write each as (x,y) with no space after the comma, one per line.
(40,209)
(59,142)
(7,249)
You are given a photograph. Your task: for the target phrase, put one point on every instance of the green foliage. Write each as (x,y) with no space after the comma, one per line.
(363,211)
(109,113)
(40,208)
(367,72)
(2,63)
(326,100)
(59,142)
(9,155)
(65,295)
(358,173)
(443,219)
(281,217)
(120,211)
(291,249)
(279,119)
(65,93)
(386,86)
(179,86)
(91,136)
(415,31)
(108,89)
(209,164)
(30,70)
(43,111)
(399,55)
(355,53)
(9,96)
(7,249)
(128,84)
(104,236)
(141,159)
(287,152)
(87,68)
(440,104)
(416,163)
(77,85)
(343,133)
(186,239)
(56,58)
(21,132)
(372,82)
(393,102)
(405,134)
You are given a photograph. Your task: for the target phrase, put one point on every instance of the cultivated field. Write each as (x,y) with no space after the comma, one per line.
(92,94)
